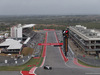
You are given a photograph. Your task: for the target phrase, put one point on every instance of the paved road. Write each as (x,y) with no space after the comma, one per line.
(10,73)
(54,59)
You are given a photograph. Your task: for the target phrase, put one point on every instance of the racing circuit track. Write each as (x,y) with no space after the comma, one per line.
(60,67)
(55,59)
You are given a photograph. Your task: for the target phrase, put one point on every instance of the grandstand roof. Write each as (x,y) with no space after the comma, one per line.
(12,44)
(28,26)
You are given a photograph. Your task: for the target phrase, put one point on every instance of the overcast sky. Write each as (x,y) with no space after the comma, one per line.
(49,7)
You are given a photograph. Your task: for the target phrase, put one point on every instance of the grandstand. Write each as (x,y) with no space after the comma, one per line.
(20,35)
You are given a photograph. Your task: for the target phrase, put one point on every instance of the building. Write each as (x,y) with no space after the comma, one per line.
(16,32)
(27,31)
(86,39)
(20,36)
(11,46)
(21,32)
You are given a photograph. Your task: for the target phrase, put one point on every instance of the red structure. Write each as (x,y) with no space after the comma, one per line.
(50,44)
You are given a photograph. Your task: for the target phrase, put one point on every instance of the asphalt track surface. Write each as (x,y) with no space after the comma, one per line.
(54,59)
(10,73)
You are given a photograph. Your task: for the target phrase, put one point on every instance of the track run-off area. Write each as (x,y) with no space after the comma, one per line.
(61,64)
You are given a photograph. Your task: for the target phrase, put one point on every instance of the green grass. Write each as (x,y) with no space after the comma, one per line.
(40,62)
(87,64)
(33,62)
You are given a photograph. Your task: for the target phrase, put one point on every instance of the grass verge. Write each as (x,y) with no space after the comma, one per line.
(87,64)
(32,62)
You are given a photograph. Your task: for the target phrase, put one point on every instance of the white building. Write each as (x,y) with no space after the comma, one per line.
(16,32)
(11,46)
(87,39)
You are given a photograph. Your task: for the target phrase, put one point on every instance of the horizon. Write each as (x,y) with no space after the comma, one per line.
(56,15)
(49,7)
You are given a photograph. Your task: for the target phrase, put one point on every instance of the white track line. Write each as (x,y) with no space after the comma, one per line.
(59,47)
(60,51)
(34,71)
(45,53)
(43,62)
(93,73)
(70,50)
(21,72)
